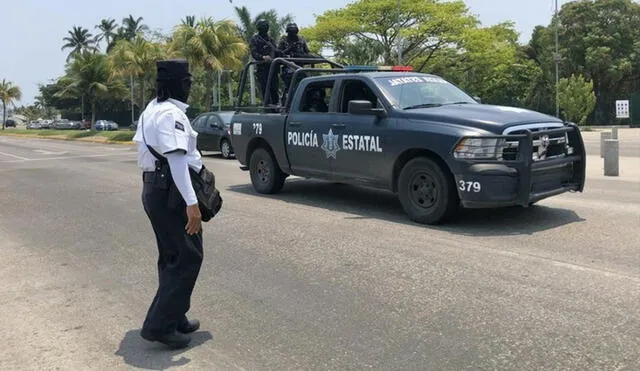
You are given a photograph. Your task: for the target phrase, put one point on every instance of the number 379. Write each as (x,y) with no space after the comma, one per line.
(466,186)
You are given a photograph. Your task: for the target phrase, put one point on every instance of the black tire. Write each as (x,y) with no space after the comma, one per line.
(266,176)
(225,149)
(427,193)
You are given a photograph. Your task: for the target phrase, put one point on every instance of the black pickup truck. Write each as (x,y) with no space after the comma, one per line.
(413,134)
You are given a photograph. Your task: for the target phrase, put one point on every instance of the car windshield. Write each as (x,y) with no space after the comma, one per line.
(422,91)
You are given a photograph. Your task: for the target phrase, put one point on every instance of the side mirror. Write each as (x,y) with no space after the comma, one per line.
(364,107)
(477,99)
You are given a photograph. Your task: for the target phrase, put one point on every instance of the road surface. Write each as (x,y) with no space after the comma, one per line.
(319,277)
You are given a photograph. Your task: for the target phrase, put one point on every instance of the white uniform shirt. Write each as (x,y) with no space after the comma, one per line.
(166,129)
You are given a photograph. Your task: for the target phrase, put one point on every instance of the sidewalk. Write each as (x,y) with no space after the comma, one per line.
(629,169)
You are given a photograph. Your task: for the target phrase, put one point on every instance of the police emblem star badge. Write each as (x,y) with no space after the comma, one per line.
(543,146)
(330,144)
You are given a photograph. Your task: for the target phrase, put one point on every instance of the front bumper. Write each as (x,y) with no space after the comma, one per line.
(522,181)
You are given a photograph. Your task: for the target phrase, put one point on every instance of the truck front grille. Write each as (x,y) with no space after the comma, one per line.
(545,146)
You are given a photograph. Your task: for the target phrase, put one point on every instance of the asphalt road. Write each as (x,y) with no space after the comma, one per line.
(319,277)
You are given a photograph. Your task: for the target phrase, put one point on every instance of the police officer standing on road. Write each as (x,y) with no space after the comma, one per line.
(263,49)
(166,149)
(294,46)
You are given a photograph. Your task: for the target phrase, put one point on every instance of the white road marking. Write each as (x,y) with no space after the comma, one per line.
(14,156)
(69,157)
(44,152)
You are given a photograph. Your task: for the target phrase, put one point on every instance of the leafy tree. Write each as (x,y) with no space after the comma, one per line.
(136,59)
(79,40)
(210,45)
(598,39)
(576,97)
(89,76)
(133,26)
(108,29)
(424,26)
(9,93)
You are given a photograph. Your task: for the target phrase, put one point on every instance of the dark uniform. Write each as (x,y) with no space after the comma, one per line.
(263,49)
(165,132)
(293,46)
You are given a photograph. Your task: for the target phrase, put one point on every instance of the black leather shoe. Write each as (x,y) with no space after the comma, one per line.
(189,326)
(173,340)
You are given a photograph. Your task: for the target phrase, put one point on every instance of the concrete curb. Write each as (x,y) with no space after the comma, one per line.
(59,137)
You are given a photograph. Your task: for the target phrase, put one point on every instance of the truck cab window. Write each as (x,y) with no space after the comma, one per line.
(316,97)
(356,90)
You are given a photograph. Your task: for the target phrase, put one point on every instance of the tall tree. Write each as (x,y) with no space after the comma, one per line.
(136,59)
(89,76)
(9,93)
(423,26)
(210,45)
(79,40)
(598,39)
(107,28)
(133,26)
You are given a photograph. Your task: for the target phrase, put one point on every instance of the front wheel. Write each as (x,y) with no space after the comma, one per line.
(427,194)
(266,176)
(225,148)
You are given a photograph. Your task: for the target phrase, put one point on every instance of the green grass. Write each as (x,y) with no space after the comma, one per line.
(112,136)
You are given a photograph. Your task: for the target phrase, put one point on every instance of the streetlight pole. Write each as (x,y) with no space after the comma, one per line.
(556,58)
(399,38)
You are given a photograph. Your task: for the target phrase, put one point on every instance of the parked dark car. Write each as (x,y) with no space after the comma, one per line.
(214,132)
(106,125)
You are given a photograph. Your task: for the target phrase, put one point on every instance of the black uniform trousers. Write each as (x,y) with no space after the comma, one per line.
(262,70)
(179,261)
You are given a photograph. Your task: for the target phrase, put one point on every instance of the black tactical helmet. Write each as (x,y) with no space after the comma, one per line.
(292,28)
(262,25)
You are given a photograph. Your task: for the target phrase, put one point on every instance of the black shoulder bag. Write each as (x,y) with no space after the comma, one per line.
(204,184)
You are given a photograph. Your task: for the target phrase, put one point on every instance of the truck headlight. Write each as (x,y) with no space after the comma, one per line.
(480,149)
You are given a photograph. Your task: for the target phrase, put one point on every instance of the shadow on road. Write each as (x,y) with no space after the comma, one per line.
(375,204)
(140,353)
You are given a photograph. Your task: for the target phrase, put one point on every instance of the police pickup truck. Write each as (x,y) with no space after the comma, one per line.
(413,134)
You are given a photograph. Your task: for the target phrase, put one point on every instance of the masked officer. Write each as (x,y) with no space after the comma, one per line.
(294,46)
(166,149)
(263,49)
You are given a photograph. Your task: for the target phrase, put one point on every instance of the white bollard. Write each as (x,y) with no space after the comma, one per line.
(604,135)
(611,160)
(614,133)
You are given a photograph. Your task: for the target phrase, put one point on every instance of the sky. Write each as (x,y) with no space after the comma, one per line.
(30,52)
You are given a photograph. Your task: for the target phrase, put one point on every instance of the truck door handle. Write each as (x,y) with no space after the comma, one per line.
(338,126)
(295,123)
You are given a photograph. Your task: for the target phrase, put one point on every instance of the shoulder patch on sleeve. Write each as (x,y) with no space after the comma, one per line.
(179,126)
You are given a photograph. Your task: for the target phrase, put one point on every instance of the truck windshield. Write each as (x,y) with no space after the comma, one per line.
(422,91)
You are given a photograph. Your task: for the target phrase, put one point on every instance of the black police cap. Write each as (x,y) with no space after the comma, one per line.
(172,69)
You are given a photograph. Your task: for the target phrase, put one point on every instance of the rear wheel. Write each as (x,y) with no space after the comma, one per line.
(225,148)
(266,176)
(426,192)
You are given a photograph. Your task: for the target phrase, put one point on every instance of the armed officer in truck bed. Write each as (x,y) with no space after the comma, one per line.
(294,46)
(264,50)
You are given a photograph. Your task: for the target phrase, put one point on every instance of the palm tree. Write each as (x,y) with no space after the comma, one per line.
(89,76)
(133,26)
(107,33)
(211,45)
(9,93)
(136,59)
(79,40)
